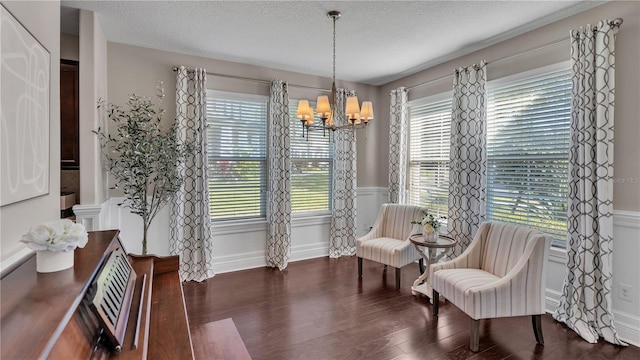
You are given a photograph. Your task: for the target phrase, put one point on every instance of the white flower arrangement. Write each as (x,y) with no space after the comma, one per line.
(59,235)
(429,222)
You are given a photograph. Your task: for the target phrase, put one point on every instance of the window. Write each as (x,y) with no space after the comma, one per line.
(237,155)
(237,159)
(528,118)
(527,150)
(311,167)
(429,143)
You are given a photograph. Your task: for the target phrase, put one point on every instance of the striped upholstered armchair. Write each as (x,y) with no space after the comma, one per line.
(500,274)
(388,241)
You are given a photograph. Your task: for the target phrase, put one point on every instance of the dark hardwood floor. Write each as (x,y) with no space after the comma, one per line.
(318,309)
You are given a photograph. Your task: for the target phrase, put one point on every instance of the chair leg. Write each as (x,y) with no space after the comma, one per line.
(475,335)
(436,302)
(359,266)
(397,278)
(421,265)
(536,321)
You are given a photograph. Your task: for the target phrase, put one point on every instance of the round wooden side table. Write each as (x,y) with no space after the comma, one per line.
(429,252)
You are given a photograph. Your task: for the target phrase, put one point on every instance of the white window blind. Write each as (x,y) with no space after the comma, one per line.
(528,146)
(429,143)
(311,167)
(237,155)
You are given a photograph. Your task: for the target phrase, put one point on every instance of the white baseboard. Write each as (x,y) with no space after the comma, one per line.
(256,259)
(627,325)
(237,262)
(309,251)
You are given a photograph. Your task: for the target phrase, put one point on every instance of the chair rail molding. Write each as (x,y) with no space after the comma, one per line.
(14,260)
(630,219)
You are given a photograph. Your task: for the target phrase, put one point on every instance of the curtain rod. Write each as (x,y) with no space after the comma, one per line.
(499,60)
(175,68)
(614,22)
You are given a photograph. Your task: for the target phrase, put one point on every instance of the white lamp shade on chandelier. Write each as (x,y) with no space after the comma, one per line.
(305,112)
(366,112)
(357,116)
(353,108)
(323,108)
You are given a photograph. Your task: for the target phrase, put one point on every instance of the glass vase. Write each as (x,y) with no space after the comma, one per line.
(430,236)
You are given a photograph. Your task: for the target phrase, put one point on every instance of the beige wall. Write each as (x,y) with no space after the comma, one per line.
(627,126)
(69,47)
(137,70)
(42,19)
(92,51)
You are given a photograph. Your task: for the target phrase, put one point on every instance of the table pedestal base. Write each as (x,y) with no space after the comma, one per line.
(429,252)
(424,289)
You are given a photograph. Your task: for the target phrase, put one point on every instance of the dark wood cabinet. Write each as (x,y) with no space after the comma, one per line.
(69,115)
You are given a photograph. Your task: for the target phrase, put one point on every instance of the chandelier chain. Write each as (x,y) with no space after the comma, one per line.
(334,49)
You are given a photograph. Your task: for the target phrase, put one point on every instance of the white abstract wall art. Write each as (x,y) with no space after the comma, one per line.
(24,112)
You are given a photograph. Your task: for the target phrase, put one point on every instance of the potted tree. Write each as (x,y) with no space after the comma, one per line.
(141,156)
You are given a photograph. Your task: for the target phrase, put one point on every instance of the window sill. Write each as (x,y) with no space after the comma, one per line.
(239,226)
(230,227)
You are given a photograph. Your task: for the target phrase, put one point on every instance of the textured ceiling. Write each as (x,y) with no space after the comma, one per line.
(377,41)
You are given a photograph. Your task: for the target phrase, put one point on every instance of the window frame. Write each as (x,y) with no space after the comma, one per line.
(513,78)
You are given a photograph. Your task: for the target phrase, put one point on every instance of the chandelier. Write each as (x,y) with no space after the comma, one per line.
(356,116)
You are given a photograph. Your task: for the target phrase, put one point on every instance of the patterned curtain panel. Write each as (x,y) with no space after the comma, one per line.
(342,238)
(190,222)
(398,133)
(279,189)
(468,165)
(585,304)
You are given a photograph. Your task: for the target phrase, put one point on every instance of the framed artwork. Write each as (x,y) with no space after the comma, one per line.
(24,106)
